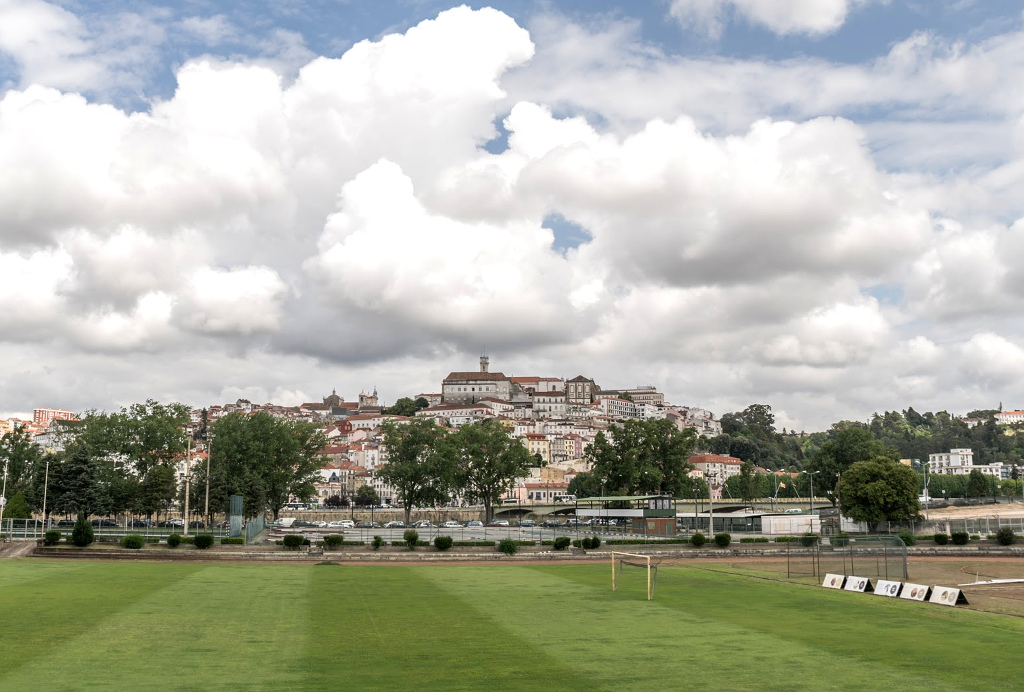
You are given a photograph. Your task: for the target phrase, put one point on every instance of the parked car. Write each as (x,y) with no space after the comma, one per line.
(342,524)
(451,525)
(526,522)
(319,523)
(367,525)
(197,524)
(104,522)
(172,523)
(302,524)
(66,523)
(139,523)
(551,523)
(474,524)
(395,525)
(422,524)
(498,522)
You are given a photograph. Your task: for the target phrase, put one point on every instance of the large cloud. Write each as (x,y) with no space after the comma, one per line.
(779,16)
(349,228)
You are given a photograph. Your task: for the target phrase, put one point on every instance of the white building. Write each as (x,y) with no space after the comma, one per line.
(960,462)
(1008,417)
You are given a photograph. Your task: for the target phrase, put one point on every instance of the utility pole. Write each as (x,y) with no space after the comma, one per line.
(46,485)
(206,509)
(188,470)
(3,498)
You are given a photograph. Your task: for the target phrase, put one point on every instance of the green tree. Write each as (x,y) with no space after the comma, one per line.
(879,490)
(644,457)
(367,496)
(487,460)
(266,460)
(407,406)
(23,458)
(74,482)
(585,485)
(977,484)
(847,446)
(747,484)
(416,467)
(17,508)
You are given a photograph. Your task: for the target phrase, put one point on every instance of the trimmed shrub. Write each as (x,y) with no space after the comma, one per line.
(753,540)
(188,540)
(204,541)
(595,542)
(82,535)
(782,539)
(133,541)
(507,546)
(443,543)
(698,540)
(51,537)
(174,540)
(562,542)
(334,541)
(292,540)
(940,539)
(808,539)
(232,541)
(1005,536)
(840,540)
(377,542)
(411,537)
(907,537)
(474,544)
(641,541)
(722,540)
(403,544)
(975,537)
(960,537)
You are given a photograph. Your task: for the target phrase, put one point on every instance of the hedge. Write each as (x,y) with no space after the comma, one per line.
(204,540)
(808,539)
(641,541)
(292,540)
(232,541)
(133,541)
(907,537)
(960,537)
(753,540)
(474,544)
(561,543)
(403,544)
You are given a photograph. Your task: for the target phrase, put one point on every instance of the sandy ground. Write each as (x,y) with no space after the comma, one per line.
(1014,510)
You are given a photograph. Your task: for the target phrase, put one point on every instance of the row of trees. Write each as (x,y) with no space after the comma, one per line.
(121,462)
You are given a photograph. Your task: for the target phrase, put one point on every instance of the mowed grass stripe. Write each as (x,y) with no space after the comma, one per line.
(398,628)
(45,606)
(216,627)
(678,640)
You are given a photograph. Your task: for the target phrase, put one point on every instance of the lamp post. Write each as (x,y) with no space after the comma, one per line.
(46,485)
(811,474)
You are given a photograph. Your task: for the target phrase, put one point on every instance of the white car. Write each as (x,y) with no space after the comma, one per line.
(319,524)
(343,524)
(451,525)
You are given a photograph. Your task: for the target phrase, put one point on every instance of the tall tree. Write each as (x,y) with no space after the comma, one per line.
(22,457)
(416,468)
(644,457)
(406,406)
(487,460)
(75,484)
(977,485)
(847,446)
(266,460)
(879,490)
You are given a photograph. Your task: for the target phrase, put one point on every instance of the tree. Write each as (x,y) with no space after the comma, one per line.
(416,468)
(977,485)
(266,460)
(406,406)
(487,461)
(746,485)
(74,482)
(879,490)
(22,456)
(585,485)
(17,508)
(847,446)
(367,496)
(335,501)
(644,457)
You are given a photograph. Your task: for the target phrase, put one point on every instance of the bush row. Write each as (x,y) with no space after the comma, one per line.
(232,541)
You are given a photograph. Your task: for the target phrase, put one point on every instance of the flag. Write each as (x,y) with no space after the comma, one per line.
(782,485)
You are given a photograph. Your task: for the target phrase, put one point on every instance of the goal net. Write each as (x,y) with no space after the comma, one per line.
(644,562)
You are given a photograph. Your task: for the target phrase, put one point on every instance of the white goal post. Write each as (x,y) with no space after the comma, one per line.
(635,560)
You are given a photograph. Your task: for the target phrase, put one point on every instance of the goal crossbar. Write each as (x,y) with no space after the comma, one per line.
(636,560)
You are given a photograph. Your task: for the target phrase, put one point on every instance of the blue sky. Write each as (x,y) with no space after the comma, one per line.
(807,203)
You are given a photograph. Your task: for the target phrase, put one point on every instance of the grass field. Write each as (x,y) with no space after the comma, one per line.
(80,625)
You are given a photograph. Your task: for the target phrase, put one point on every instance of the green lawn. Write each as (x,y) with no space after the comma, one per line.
(152,626)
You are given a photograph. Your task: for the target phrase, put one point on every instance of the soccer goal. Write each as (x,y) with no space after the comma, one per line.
(634,560)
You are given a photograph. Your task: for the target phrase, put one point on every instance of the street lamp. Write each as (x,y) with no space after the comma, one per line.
(812,474)
(3,498)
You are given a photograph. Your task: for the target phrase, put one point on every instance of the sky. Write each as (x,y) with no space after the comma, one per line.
(813,204)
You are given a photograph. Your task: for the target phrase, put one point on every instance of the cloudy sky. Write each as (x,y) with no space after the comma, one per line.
(814,204)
